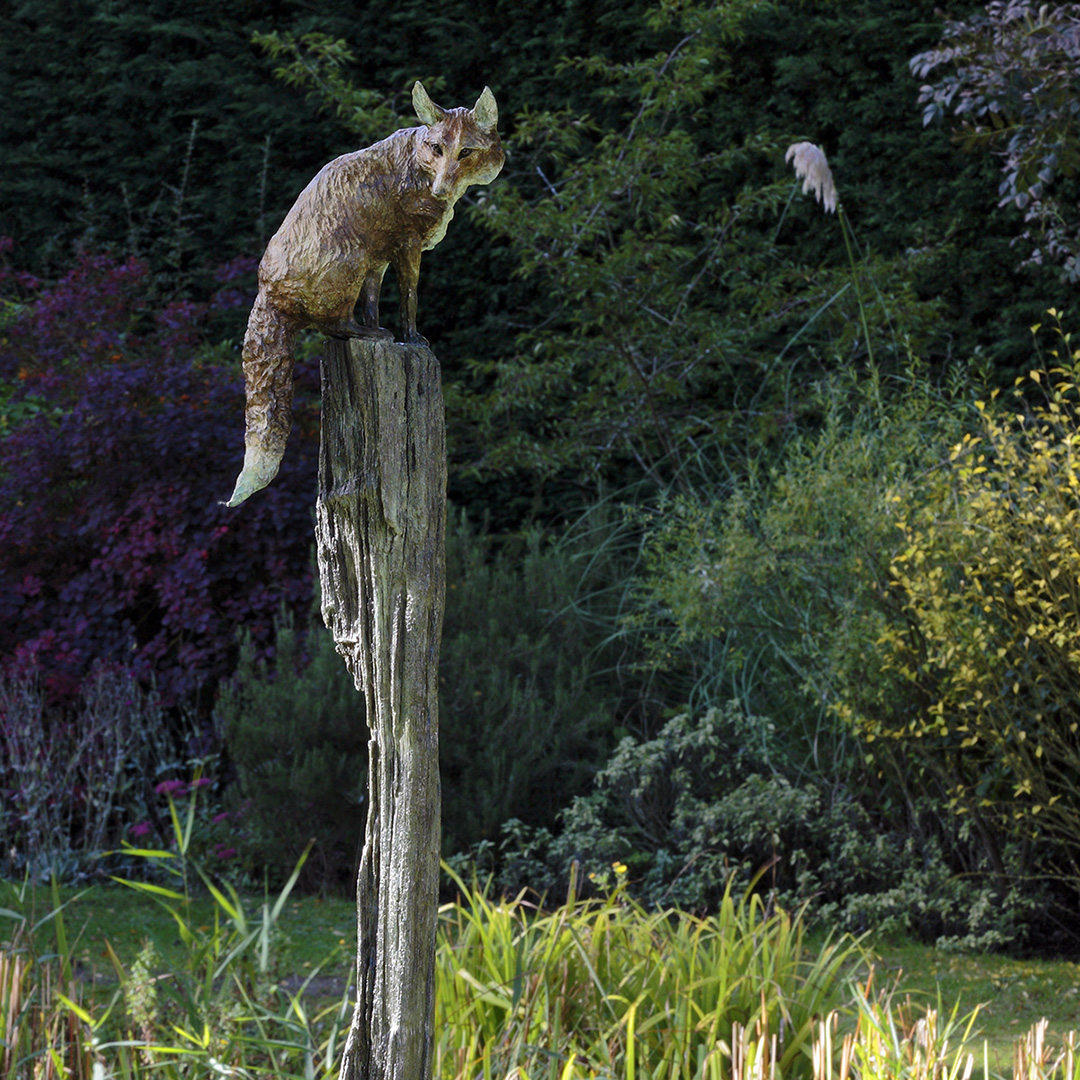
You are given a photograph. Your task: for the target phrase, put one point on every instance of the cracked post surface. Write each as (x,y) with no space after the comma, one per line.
(381,519)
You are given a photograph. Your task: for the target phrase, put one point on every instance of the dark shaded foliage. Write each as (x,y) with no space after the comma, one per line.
(112,541)
(143,129)
(146,133)
(1009,75)
(524,701)
(837,74)
(298,739)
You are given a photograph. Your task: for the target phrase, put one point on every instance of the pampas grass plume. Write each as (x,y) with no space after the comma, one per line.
(812,168)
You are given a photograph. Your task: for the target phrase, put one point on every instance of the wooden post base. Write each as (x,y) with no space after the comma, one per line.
(380,530)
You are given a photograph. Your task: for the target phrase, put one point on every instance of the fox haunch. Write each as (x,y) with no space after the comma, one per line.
(364,211)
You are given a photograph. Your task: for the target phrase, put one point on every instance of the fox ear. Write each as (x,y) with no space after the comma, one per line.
(486,111)
(426,109)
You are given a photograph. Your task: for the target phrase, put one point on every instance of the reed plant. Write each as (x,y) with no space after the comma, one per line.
(895,1040)
(40,1036)
(584,989)
(222,1008)
(606,988)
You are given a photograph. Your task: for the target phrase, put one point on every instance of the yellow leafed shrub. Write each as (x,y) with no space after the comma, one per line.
(987,581)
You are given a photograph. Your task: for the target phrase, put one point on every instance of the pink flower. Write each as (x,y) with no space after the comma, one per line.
(142,828)
(217,819)
(202,781)
(171,787)
(223,852)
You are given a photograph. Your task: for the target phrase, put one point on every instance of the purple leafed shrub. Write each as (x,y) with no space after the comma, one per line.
(128,432)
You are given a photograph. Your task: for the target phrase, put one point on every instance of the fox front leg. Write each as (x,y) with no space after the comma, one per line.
(369,297)
(407,268)
(367,307)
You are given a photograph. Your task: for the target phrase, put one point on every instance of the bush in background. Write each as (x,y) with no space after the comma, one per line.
(79,783)
(701,809)
(522,705)
(986,636)
(297,737)
(765,595)
(524,701)
(120,430)
(762,580)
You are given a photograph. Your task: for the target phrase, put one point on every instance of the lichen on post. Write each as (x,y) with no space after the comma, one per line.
(380,530)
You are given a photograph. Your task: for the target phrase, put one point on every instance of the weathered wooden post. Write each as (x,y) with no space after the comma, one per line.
(381,519)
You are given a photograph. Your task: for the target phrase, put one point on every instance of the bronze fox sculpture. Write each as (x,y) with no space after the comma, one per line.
(363,211)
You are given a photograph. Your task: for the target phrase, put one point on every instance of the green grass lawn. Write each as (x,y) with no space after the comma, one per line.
(1012,994)
(313,931)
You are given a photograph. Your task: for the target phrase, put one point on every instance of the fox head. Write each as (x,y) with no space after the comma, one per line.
(459,147)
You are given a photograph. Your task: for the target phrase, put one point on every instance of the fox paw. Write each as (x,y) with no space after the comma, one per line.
(350,328)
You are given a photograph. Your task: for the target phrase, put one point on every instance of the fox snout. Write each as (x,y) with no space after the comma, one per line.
(454,169)
(444,183)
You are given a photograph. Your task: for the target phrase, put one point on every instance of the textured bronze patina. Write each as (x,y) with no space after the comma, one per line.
(377,207)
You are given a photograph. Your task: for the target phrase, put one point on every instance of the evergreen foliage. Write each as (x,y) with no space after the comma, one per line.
(560,405)
(639,342)
(150,130)
(222,147)
(674,289)
(523,712)
(703,808)
(838,74)
(297,737)
(525,691)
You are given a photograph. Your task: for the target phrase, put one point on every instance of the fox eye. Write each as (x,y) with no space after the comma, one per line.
(436,149)
(465,152)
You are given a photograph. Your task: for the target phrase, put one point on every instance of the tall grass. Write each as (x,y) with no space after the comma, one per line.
(607,988)
(220,1010)
(586,989)
(894,1041)
(40,1036)
(600,988)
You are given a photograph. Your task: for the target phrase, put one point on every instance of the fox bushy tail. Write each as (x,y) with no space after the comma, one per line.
(268,378)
